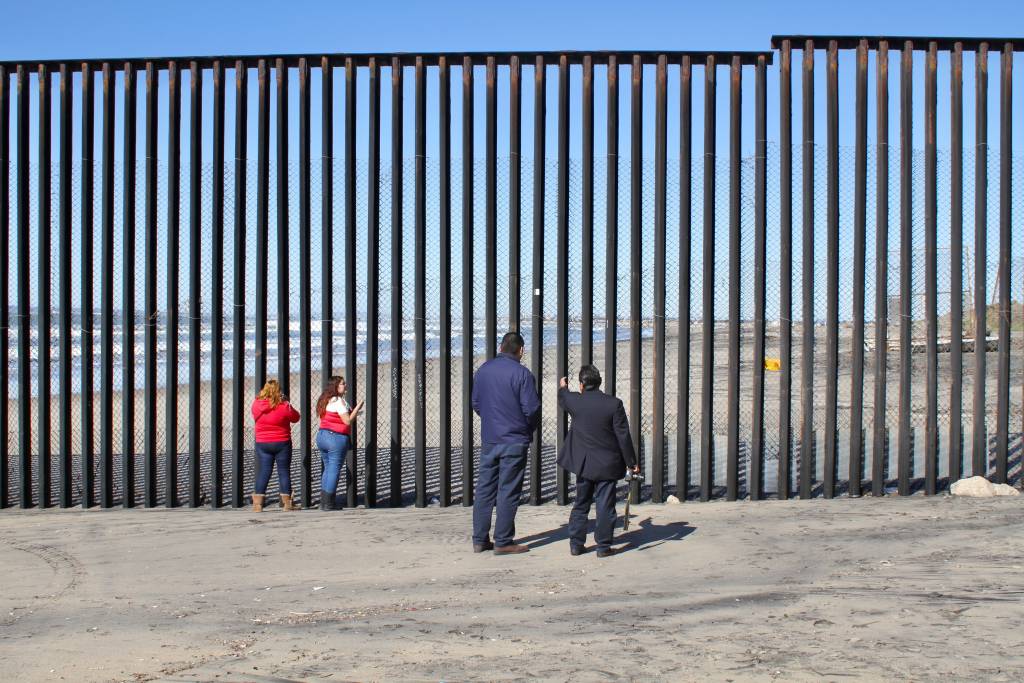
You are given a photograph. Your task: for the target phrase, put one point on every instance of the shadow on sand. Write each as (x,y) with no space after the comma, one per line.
(643,535)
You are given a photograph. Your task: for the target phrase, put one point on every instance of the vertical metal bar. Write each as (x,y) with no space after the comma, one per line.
(859,251)
(45,268)
(327,221)
(785,269)
(611,252)
(444,170)
(491,208)
(467,281)
(173,257)
(217,292)
(283,254)
(373,283)
(956,272)
(5,247)
(305,303)
(685,236)
(980,450)
(660,227)
(635,260)
(150,399)
(66,314)
(906,264)
(832,271)
(195,241)
(515,183)
(537,312)
(879,450)
(395,449)
(707,454)
(931,441)
(107,296)
(807,323)
(128,292)
(1005,237)
(562,281)
(86,288)
(420,295)
(756,477)
(351,327)
(238,325)
(262,218)
(24,294)
(587,215)
(732,460)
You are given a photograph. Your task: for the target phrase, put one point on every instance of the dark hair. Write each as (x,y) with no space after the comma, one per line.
(512,343)
(329,392)
(590,377)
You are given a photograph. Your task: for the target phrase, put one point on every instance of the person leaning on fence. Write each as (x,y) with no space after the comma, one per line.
(274,417)
(505,397)
(597,449)
(333,437)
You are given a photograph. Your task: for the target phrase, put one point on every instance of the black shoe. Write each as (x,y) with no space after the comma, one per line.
(327,501)
(606,552)
(575,550)
(481,547)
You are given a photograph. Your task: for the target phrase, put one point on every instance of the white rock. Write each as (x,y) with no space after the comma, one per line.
(672,500)
(1005,490)
(973,487)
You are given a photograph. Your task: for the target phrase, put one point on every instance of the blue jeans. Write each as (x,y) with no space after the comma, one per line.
(266,455)
(587,492)
(333,447)
(499,482)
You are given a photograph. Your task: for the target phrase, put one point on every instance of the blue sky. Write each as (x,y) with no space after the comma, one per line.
(100,29)
(78,30)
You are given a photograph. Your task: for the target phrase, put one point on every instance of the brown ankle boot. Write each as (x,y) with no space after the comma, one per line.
(257,502)
(287,504)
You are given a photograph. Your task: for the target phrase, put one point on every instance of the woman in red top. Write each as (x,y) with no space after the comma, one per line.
(274,417)
(333,437)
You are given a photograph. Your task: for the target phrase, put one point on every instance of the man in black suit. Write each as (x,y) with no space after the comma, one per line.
(598,449)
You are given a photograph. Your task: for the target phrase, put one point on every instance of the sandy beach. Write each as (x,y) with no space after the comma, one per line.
(893,589)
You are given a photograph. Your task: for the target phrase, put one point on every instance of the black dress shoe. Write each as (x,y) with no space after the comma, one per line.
(575,550)
(481,547)
(606,552)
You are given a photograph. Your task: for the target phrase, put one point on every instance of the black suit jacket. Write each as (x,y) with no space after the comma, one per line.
(598,446)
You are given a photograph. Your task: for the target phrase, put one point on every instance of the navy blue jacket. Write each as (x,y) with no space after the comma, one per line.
(505,397)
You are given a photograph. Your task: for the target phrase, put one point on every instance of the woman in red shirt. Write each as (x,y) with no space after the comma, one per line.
(333,437)
(274,417)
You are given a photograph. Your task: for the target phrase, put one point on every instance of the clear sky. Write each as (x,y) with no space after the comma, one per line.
(65,28)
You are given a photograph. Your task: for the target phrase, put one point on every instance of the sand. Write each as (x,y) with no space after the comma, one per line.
(922,589)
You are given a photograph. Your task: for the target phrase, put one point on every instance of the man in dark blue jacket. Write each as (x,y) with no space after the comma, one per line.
(505,397)
(598,449)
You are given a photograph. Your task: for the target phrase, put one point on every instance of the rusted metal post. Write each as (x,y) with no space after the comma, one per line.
(707,454)
(879,450)
(660,227)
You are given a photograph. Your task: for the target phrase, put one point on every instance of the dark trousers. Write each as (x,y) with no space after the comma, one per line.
(499,483)
(267,454)
(587,491)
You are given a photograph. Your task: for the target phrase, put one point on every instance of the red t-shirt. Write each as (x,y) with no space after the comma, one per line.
(273,424)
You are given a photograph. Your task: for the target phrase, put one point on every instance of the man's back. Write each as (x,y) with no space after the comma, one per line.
(599,445)
(505,397)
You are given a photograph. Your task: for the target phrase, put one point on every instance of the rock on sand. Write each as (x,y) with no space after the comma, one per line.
(980,487)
